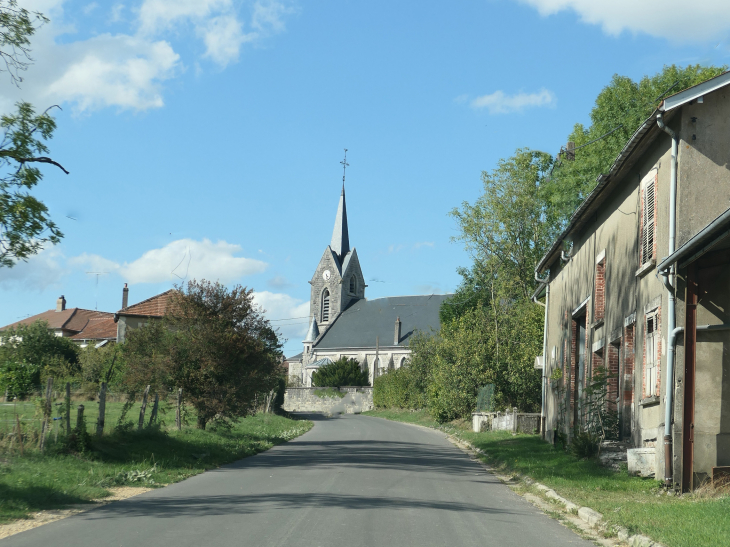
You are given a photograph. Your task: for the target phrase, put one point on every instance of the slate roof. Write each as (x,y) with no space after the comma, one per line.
(340,244)
(72,319)
(154,306)
(363,320)
(320,363)
(297,357)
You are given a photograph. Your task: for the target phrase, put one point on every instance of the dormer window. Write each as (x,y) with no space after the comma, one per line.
(326,305)
(353,285)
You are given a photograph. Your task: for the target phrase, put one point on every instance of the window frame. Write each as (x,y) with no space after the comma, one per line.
(648,222)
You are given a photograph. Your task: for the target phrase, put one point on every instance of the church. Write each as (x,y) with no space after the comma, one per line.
(343,323)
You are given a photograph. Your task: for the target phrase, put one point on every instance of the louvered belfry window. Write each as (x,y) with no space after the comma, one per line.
(648,216)
(326,305)
(352,285)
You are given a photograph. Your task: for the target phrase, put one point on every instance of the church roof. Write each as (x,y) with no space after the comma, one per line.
(340,238)
(364,320)
(322,362)
(313,332)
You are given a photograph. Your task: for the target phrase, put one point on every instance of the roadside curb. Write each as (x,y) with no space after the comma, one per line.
(591,517)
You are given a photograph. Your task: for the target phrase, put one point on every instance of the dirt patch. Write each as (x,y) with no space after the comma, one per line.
(44,517)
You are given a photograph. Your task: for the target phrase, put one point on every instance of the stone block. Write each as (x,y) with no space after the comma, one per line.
(641,461)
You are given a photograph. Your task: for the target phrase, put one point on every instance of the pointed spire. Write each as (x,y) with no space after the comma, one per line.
(340,238)
(313,332)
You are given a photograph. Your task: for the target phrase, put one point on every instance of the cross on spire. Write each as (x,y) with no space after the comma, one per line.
(345,165)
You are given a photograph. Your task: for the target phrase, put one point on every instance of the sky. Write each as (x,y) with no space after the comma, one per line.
(204,137)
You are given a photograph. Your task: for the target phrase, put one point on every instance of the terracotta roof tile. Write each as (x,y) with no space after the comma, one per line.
(73,319)
(155,306)
(102,328)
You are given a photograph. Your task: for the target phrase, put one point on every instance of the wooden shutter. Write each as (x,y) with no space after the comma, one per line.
(647,230)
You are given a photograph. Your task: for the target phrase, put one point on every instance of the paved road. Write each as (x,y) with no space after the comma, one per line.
(351,481)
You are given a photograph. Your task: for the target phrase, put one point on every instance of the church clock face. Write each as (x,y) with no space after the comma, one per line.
(326,275)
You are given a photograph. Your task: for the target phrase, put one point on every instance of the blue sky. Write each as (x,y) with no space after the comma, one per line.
(204,137)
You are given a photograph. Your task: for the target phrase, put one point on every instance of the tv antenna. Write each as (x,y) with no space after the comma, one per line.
(96,290)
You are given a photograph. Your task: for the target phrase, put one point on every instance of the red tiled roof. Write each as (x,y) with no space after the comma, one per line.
(73,319)
(103,328)
(153,307)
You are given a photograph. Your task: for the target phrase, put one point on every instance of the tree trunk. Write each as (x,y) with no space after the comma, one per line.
(201,422)
(144,407)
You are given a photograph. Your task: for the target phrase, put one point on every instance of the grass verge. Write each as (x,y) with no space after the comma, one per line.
(639,505)
(150,457)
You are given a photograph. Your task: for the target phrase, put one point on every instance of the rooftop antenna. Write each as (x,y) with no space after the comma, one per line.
(96,291)
(345,165)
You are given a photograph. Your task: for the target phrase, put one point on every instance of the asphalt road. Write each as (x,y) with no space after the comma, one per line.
(351,481)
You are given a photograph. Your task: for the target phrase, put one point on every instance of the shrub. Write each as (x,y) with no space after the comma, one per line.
(343,372)
(18,377)
(585,445)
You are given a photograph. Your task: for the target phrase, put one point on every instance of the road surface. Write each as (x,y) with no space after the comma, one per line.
(351,481)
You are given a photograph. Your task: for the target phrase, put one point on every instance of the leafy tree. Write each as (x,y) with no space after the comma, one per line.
(25,223)
(215,344)
(343,372)
(99,365)
(38,352)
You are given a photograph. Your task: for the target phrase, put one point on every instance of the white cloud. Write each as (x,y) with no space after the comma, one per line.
(423,244)
(269,16)
(223,37)
(190,259)
(289,314)
(676,20)
(156,16)
(88,8)
(279,282)
(42,271)
(184,259)
(123,71)
(501,103)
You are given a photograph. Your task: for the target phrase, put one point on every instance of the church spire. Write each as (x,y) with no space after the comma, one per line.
(340,238)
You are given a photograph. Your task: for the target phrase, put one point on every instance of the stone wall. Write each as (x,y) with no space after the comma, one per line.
(506,421)
(305,399)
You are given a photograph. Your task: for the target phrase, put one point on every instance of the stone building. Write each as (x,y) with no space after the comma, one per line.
(343,323)
(644,292)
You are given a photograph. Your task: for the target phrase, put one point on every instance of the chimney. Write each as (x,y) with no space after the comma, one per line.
(125,297)
(61,304)
(397,331)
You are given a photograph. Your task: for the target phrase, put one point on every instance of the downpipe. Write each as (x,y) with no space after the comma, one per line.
(543,405)
(667,279)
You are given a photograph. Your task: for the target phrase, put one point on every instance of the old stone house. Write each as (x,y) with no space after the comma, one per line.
(643,290)
(343,323)
(140,314)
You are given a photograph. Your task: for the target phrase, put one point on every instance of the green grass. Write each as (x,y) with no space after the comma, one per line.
(635,503)
(151,457)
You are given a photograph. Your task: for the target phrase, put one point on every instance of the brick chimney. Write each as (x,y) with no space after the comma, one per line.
(397,331)
(125,297)
(61,304)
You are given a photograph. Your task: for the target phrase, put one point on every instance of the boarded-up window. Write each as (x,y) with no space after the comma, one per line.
(651,355)
(648,216)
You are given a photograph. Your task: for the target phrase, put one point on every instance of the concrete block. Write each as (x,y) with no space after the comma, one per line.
(590,516)
(641,461)
(642,541)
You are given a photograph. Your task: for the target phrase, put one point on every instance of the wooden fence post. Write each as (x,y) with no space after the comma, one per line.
(144,407)
(102,409)
(68,408)
(47,410)
(178,412)
(80,417)
(20,435)
(153,414)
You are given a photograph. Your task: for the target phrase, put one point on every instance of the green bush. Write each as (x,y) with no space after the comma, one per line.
(585,445)
(18,378)
(343,372)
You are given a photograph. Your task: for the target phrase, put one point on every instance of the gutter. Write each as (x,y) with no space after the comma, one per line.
(667,276)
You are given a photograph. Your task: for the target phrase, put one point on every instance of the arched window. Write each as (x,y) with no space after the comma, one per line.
(402,362)
(326,305)
(353,285)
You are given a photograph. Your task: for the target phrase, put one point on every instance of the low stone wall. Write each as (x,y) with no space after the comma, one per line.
(518,422)
(305,399)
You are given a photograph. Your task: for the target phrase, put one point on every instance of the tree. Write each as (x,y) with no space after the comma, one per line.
(343,372)
(25,223)
(33,352)
(215,344)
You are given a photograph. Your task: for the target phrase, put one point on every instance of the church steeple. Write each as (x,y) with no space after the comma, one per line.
(340,238)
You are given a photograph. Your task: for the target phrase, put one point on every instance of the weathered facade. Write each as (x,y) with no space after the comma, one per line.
(616,302)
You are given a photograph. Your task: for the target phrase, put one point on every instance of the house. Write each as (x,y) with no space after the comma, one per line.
(140,314)
(643,292)
(343,323)
(80,325)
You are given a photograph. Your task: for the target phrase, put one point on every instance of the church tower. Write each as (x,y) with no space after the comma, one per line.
(338,279)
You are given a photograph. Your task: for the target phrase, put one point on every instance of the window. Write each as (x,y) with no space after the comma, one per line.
(326,305)
(651,355)
(353,285)
(648,217)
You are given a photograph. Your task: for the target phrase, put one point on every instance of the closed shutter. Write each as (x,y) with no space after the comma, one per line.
(652,347)
(647,231)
